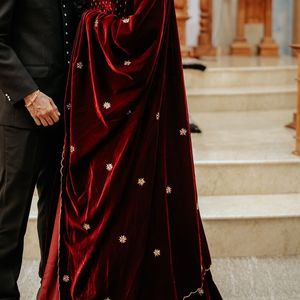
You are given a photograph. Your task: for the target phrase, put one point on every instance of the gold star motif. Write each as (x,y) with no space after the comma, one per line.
(157,116)
(200,291)
(127,63)
(109,167)
(107,105)
(72,149)
(156,253)
(79,65)
(96,23)
(86,226)
(122,239)
(69,106)
(168,190)
(66,278)
(125,20)
(141,181)
(183,131)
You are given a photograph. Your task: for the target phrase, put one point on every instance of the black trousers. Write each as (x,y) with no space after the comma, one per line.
(28,159)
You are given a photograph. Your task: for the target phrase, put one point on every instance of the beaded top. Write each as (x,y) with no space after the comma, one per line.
(117,7)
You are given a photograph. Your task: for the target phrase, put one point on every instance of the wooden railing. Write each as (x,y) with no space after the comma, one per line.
(249,11)
(296,48)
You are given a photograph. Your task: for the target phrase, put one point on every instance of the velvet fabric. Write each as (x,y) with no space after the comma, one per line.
(129,227)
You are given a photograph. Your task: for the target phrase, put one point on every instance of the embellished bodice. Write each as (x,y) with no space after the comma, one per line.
(117,7)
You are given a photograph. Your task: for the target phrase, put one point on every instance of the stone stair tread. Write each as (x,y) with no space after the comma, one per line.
(244,137)
(253,90)
(233,64)
(213,69)
(249,206)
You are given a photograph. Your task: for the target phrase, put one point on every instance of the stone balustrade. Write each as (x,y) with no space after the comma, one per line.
(296,48)
(248,12)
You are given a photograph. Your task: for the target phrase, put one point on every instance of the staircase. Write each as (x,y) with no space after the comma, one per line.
(248,180)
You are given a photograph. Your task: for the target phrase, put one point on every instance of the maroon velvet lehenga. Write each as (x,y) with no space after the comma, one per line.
(127,227)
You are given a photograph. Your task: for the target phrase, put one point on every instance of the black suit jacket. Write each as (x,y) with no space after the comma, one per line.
(35,47)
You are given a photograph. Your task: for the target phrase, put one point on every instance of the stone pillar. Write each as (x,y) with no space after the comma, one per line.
(240,46)
(268,47)
(296,37)
(296,48)
(182,16)
(205,47)
(254,12)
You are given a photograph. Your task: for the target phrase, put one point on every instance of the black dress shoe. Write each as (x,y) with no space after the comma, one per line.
(194,128)
(194,66)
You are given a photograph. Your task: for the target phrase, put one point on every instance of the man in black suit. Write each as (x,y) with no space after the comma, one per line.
(35,48)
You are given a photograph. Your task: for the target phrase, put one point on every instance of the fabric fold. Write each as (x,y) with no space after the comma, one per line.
(130,227)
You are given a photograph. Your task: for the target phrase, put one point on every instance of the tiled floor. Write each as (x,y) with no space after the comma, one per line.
(238,279)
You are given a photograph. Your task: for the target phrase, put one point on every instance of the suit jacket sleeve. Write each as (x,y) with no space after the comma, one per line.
(15,81)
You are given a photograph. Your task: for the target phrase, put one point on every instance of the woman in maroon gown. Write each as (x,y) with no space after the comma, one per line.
(128,227)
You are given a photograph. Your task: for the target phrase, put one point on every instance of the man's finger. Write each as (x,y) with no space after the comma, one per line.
(35,118)
(54,106)
(44,122)
(37,121)
(54,115)
(49,120)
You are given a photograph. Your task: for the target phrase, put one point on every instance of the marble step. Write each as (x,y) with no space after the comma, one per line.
(236,72)
(252,225)
(31,247)
(245,153)
(240,178)
(243,98)
(237,77)
(249,225)
(263,278)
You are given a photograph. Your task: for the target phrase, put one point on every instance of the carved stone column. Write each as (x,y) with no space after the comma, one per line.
(296,39)
(296,48)
(254,12)
(182,16)
(268,47)
(240,44)
(205,47)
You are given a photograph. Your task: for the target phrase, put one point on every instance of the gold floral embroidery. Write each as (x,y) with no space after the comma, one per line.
(109,167)
(141,181)
(66,278)
(123,239)
(183,131)
(79,65)
(107,105)
(127,63)
(168,190)
(125,20)
(86,226)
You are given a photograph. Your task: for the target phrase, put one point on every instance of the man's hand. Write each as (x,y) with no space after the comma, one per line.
(43,110)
